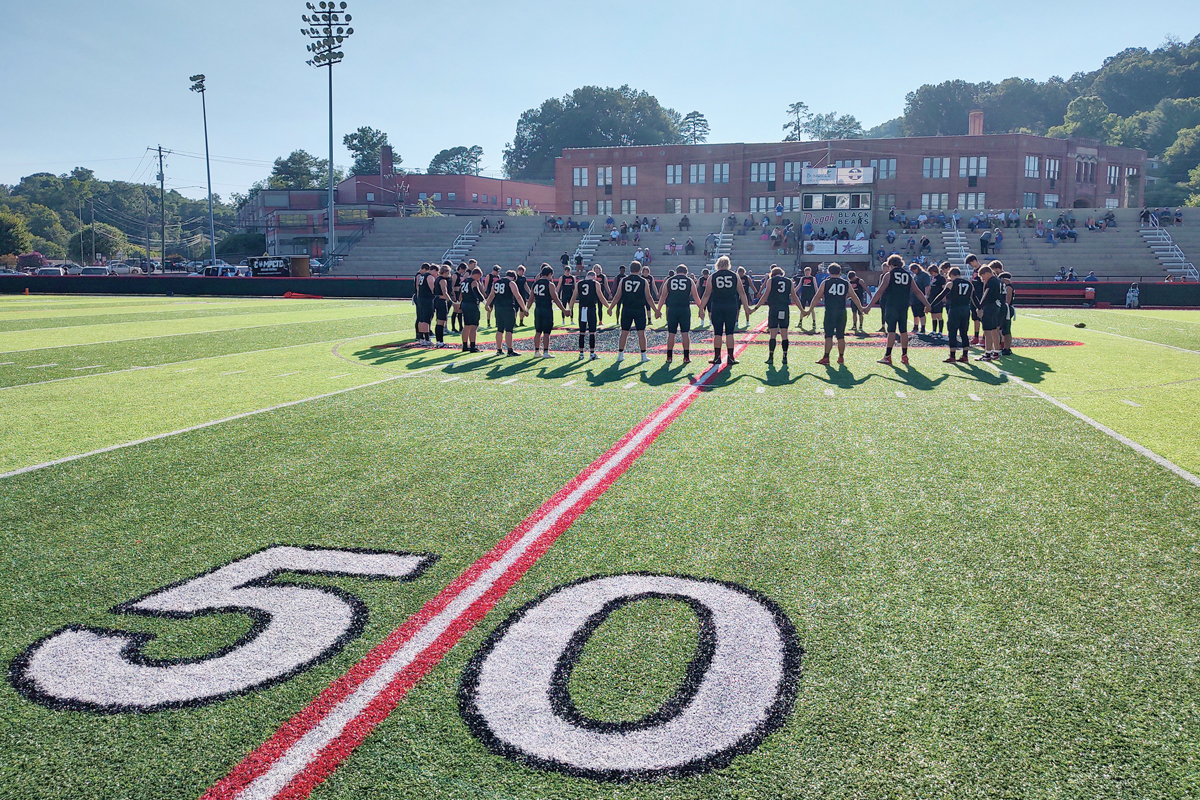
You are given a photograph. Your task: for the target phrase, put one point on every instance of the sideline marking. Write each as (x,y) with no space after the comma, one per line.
(829,392)
(1119,336)
(976,398)
(93,366)
(210,423)
(41,366)
(569,383)
(451,379)
(235,372)
(509,381)
(311,745)
(1125,440)
(6,363)
(1131,403)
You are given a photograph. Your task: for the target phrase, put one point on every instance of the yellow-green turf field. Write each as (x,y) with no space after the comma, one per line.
(856,582)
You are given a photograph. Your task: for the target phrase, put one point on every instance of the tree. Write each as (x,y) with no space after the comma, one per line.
(695,128)
(891,129)
(302,170)
(457,161)
(794,128)
(590,116)
(832,126)
(366,144)
(1086,116)
(109,241)
(14,236)
(1181,157)
(940,110)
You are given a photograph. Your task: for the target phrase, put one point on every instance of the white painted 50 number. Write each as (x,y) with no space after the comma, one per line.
(295,626)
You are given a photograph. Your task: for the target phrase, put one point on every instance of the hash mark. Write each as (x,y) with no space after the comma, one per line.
(569,383)
(829,392)
(507,382)
(93,366)
(630,385)
(235,372)
(1131,403)
(901,395)
(759,390)
(335,377)
(450,380)
(41,366)
(284,375)
(190,369)
(975,397)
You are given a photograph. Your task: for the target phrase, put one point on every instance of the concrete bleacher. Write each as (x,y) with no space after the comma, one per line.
(508,248)
(398,245)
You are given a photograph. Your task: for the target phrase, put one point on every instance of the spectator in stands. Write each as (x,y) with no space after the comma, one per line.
(778,213)
(609,223)
(1040,230)
(766,221)
(1050,235)
(1090,223)
(1144,217)
(957,217)
(637,232)
(1179,216)
(903,220)
(1065,233)
(1070,217)
(613,236)
(689,247)
(973,223)
(776,237)
(483,224)
(670,248)
(844,235)
(1071,276)
(858,237)
(710,244)
(499,225)
(639,254)
(1031,220)
(571,224)
(912,245)
(565,260)
(881,254)
(1062,274)
(941,218)
(732,223)
(645,224)
(807,230)
(892,214)
(749,224)
(985,241)
(685,223)
(1014,219)
(891,236)
(1091,277)
(1110,219)
(1133,296)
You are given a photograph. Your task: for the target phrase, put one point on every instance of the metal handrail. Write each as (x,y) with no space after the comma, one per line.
(579,247)
(458,240)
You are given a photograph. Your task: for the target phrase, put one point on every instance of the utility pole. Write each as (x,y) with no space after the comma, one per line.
(162,208)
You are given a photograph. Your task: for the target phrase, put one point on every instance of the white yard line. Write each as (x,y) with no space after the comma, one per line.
(1119,336)
(209,424)
(1131,403)
(335,377)
(234,372)
(509,381)
(41,366)
(93,366)
(1125,440)
(286,374)
(451,379)
(569,383)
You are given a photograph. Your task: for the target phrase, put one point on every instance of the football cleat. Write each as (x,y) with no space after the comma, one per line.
(885,360)
(823,360)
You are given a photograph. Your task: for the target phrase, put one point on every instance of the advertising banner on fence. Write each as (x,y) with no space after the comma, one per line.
(840,218)
(854,247)
(815,248)
(835,176)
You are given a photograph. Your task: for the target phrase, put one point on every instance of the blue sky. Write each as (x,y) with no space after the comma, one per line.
(95,84)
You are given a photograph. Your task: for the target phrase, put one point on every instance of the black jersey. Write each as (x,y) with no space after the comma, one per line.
(459,280)
(566,287)
(442,284)
(995,292)
(898,289)
(506,292)
(541,293)
(679,291)
(633,291)
(976,290)
(424,290)
(808,285)
(837,292)
(470,291)
(490,281)
(961,294)
(523,286)
(937,285)
(781,292)
(724,289)
(748,285)
(653,284)
(702,284)
(588,291)
(923,281)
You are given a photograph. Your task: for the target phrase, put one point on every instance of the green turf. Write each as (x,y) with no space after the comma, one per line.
(994,599)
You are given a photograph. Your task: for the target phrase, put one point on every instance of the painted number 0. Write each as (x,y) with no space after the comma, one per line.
(295,627)
(739,686)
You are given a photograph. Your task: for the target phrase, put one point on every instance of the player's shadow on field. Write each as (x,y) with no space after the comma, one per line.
(407,358)
(1027,369)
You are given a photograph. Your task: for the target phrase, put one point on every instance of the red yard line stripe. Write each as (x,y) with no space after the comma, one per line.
(261,760)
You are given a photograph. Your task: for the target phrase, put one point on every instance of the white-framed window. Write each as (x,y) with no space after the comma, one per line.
(1114,177)
(793,171)
(475,197)
(886,200)
(696,205)
(579,207)
(1050,200)
(629,176)
(720,173)
(1112,202)
(371,197)
(972,167)
(720,205)
(762,205)
(972,201)
(674,174)
(422,196)
(762,172)
(1053,165)
(1029,200)
(628,207)
(604,176)
(674,205)
(1033,167)
(885,168)
(603,207)
(579,176)
(451,195)
(509,202)
(791,204)
(696,173)
(935,168)
(848,163)
(935,201)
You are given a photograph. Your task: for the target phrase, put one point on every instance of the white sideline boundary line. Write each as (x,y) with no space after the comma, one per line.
(210,423)
(1125,440)
(1118,335)
(1135,315)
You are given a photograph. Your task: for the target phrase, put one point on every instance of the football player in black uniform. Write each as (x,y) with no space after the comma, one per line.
(602,282)
(492,277)
(505,298)
(956,295)
(442,301)
(633,296)
(808,290)
(456,317)
(895,290)
(678,294)
(1010,311)
(700,287)
(589,294)
(973,266)
(724,297)
(424,298)
(566,290)
(545,297)
(923,281)
(836,291)
(937,303)
(864,296)
(523,290)
(748,289)
(991,310)
(780,295)
(470,296)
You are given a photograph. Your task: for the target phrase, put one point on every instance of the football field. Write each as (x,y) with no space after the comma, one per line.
(259,548)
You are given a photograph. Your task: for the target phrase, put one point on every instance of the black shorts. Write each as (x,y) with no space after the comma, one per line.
(835,323)
(441,309)
(425,309)
(679,319)
(506,319)
(724,320)
(1006,325)
(992,317)
(588,319)
(633,318)
(918,309)
(937,308)
(806,296)
(543,319)
(470,312)
(779,317)
(975,314)
(895,317)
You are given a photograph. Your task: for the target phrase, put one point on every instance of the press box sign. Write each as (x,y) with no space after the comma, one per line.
(837,176)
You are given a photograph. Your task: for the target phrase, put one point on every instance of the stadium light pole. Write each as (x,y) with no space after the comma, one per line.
(327,25)
(198,86)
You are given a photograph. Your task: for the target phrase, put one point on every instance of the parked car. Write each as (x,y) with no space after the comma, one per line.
(121,268)
(9,272)
(56,271)
(96,271)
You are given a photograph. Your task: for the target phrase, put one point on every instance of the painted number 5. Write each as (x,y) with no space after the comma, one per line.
(295,627)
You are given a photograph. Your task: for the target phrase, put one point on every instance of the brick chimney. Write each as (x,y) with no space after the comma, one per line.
(975,123)
(386,167)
